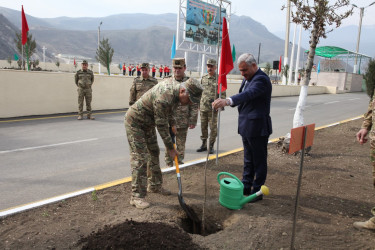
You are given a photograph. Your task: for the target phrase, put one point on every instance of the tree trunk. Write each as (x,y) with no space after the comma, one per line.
(298,119)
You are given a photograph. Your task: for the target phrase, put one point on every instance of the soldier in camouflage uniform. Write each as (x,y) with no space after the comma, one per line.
(186,116)
(141,84)
(154,109)
(84,78)
(367,125)
(209,84)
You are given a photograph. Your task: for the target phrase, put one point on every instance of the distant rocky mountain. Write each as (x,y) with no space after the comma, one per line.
(7,35)
(139,37)
(8,46)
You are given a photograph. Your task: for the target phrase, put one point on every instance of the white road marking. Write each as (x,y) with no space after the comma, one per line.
(46,146)
(331,102)
(354,99)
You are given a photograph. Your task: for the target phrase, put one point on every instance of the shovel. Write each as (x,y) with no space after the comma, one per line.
(188,210)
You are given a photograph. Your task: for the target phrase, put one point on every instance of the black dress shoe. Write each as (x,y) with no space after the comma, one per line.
(246,192)
(258,198)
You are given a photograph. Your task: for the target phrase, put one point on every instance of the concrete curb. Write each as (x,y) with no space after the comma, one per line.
(22,208)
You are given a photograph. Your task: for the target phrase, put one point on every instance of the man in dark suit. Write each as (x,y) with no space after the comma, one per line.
(254,121)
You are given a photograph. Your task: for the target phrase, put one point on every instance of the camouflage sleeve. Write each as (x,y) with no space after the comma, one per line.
(172,119)
(92,77)
(76,78)
(162,111)
(193,114)
(367,117)
(133,94)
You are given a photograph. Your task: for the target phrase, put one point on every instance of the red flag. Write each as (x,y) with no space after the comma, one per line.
(25,28)
(226,60)
(280,65)
(74,61)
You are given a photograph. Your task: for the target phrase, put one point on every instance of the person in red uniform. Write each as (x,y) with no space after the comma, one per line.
(165,71)
(138,70)
(124,69)
(161,71)
(130,69)
(153,70)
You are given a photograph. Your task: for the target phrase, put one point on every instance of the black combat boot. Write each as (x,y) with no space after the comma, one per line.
(211,148)
(203,147)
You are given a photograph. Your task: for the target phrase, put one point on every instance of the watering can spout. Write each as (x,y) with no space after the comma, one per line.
(263,191)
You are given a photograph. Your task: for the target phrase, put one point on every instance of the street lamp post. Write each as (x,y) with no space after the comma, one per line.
(99,41)
(44,56)
(361,12)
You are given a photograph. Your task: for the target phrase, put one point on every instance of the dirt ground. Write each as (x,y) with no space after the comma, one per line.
(336,191)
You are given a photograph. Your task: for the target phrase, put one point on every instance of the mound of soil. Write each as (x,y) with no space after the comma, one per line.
(336,191)
(138,235)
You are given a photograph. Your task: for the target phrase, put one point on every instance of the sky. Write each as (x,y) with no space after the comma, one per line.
(267,12)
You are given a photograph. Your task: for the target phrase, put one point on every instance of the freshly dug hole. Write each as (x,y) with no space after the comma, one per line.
(194,225)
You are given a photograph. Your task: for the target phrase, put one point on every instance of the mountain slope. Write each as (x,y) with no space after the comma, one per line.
(139,37)
(7,36)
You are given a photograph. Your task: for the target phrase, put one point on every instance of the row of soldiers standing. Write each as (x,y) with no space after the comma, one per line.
(132,69)
(171,106)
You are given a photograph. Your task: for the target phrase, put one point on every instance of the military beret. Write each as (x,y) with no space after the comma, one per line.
(145,65)
(195,90)
(84,62)
(178,62)
(211,62)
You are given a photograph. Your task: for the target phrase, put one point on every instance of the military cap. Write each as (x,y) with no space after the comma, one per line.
(195,90)
(84,62)
(211,62)
(145,65)
(178,62)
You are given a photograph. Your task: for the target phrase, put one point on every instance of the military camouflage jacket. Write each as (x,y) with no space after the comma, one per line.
(139,87)
(84,79)
(209,92)
(155,108)
(186,115)
(368,118)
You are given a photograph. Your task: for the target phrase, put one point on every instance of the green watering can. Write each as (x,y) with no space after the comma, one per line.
(231,192)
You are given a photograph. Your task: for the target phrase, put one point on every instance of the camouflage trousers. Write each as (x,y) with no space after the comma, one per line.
(144,158)
(84,94)
(180,145)
(372,157)
(206,119)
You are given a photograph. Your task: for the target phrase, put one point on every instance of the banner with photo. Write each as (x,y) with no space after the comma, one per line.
(202,22)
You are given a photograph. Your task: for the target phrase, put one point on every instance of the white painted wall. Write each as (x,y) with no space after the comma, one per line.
(25,93)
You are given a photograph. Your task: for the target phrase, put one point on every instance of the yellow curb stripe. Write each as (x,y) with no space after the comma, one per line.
(113,183)
(39,203)
(340,122)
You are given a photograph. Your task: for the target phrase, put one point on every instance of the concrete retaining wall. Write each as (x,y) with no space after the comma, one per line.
(343,81)
(39,93)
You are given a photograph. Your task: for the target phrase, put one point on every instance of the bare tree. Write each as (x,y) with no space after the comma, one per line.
(321,17)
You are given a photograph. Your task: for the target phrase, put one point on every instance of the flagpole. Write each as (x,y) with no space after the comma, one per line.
(22,56)
(213,110)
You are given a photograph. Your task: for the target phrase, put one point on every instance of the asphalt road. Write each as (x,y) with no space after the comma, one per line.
(45,157)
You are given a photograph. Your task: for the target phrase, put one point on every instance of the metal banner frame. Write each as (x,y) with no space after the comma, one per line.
(182,44)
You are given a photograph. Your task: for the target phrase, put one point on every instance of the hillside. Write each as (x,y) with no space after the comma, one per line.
(7,35)
(138,37)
